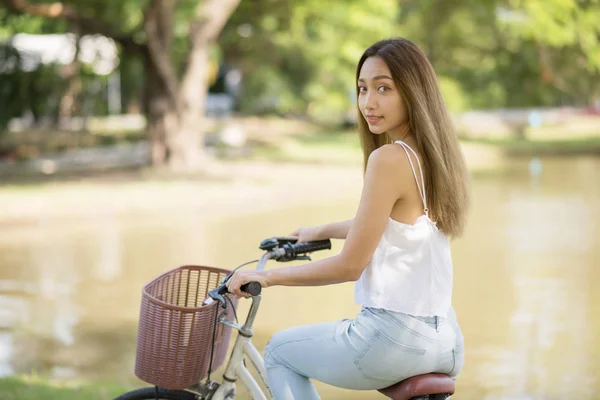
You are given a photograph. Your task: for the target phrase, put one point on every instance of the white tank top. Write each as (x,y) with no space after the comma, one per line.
(411,268)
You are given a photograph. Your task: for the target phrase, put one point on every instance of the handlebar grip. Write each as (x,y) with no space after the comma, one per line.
(309,247)
(253,288)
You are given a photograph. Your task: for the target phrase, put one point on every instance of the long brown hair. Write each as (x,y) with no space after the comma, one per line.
(446,175)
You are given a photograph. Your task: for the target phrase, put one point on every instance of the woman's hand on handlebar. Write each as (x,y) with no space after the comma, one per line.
(307,234)
(242,277)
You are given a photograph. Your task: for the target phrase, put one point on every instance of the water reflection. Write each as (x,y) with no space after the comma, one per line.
(548,252)
(109,266)
(524,275)
(551,302)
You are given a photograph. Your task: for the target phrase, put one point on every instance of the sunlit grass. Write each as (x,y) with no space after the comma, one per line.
(328,147)
(579,145)
(318,146)
(31,387)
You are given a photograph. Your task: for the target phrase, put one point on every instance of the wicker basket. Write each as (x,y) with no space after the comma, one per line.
(175,332)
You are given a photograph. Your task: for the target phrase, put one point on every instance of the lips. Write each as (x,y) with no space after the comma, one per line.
(373,119)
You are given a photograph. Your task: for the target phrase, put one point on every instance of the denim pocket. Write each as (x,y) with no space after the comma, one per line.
(387,360)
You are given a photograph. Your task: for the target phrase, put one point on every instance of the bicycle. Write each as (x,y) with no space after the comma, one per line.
(282,249)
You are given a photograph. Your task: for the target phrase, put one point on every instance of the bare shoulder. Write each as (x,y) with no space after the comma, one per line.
(389,157)
(390,166)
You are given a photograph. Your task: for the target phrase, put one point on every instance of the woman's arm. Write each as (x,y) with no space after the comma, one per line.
(335,230)
(381,190)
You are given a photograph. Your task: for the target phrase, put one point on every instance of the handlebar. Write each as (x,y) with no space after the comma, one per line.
(292,251)
(281,249)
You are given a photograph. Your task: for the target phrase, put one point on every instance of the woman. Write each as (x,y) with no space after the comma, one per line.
(397,248)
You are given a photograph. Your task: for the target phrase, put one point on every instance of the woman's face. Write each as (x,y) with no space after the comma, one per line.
(379,100)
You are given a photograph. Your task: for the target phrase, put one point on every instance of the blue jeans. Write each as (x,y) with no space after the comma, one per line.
(373,351)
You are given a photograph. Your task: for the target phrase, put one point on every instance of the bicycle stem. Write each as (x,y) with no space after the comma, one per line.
(246,329)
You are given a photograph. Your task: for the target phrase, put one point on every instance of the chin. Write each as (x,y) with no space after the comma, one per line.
(375,130)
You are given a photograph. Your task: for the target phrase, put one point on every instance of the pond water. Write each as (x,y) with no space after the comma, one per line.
(525,277)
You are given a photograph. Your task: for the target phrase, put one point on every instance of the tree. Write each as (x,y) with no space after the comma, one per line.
(173,102)
(299,56)
(563,36)
(511,54)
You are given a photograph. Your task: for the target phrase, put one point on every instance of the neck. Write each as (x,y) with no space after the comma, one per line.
(399,134)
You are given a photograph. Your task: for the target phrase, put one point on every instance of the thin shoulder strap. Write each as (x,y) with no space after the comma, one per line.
(421,187)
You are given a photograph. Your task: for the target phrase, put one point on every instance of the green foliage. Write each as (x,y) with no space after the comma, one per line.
(562,36)
(454,96)
(511,54)
(299,56)
(10,96)
(25,91)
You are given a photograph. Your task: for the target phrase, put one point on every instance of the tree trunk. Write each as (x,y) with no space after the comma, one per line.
(161,86)
(186,143)
(156,109)
(71,75)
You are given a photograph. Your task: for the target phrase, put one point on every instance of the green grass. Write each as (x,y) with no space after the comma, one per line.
(328,147)
(514,146)
(344,138)
(333,147)
(30,144)
(37,388)
(343,147)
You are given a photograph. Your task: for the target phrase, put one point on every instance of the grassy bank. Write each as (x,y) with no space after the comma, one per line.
(317,147)
(343,147)
(288,142)
(544,147)
(37,388)
(325,147)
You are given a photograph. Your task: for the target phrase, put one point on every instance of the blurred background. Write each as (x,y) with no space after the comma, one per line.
(140,135)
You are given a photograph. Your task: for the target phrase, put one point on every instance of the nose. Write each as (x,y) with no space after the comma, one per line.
(368,101)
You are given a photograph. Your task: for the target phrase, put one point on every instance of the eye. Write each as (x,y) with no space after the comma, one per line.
(362,89)
(383,89)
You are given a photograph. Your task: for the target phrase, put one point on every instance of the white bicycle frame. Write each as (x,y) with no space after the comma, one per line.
(236,368)
(243,347)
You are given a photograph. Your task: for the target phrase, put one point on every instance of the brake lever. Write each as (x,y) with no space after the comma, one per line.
(287,259)
(216,295)
(218,292)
